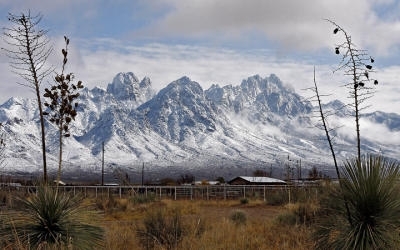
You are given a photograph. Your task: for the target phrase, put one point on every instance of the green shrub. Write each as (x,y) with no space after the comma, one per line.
(300,213)
(143,198)
(287,218)
(161,229)
(244,201)
(238,217)
(107,204)
(299,195)
(305,213)
(277,199)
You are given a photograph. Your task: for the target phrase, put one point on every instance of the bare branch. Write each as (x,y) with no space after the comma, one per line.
(357,64)
(28,50)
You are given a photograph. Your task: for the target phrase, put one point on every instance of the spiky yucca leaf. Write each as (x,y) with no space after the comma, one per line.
(52,218)
(370,186)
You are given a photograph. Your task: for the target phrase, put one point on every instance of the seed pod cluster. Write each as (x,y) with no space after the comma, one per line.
(61,98)
(362,62)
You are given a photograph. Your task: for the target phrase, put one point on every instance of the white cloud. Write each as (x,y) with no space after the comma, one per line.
(297,25)
(47,6)
(388,89)
(294,24)
(379,133)
(166,63)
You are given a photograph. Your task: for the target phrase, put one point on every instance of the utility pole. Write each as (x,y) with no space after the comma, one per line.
(288,170)
(143,174)
(102,165)
(270,171)
(300,168)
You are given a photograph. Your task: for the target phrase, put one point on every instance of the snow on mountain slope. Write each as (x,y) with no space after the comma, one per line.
(258,123)
(180,111)
(261,99)
(126,86)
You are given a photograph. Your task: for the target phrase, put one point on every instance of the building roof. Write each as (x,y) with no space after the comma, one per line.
(60,182)
(257,179)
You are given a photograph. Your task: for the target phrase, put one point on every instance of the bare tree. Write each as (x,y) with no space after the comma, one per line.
(28,50)
(185,179)
(325,126)
(323,123)
(355,64)
(61,103)
(122,176)
(260,173)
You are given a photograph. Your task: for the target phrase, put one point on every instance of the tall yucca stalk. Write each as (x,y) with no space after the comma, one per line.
(28,48)
(357,65)
(370,185)
(52,220)
(61,103)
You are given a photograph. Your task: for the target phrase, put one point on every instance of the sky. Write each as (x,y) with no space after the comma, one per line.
(216,42)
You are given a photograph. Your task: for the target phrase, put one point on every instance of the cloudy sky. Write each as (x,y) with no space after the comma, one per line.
(216,41)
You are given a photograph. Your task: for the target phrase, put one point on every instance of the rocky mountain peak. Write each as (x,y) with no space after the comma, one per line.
(145,83)
(12,102)
(259,121)
(126,86)
(258,95)
(180,110)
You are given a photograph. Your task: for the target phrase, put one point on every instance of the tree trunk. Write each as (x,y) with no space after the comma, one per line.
(37,90)
(60,129)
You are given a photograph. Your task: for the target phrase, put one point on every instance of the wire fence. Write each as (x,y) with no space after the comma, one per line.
(190,192)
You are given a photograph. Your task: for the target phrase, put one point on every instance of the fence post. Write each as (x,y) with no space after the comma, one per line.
(265,198)
(224,192)
(175,192)
(244,192)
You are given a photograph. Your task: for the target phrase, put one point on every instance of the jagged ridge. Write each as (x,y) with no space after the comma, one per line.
(257,123)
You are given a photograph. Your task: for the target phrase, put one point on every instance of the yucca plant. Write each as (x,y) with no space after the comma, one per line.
(51,220)
(370,185)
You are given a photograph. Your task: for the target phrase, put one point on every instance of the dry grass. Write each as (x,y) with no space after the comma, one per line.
(209,226)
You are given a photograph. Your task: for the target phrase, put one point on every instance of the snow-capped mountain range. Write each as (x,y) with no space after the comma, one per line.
(260,123)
